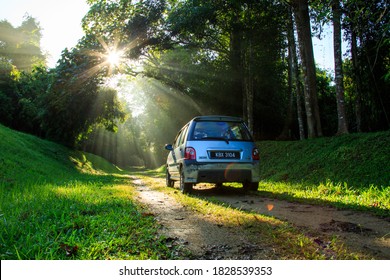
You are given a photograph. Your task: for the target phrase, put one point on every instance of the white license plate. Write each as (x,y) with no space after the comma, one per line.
(224,155)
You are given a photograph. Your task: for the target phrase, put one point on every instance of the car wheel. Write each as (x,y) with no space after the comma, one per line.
(184,187)
(170,183)
(251,186)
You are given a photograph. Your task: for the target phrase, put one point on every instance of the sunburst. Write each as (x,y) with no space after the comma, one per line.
(114,57)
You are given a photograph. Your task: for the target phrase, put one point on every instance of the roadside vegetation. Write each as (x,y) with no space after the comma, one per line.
(350,171)
(58,203)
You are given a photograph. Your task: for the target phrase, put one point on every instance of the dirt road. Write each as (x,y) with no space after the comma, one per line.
(361,232)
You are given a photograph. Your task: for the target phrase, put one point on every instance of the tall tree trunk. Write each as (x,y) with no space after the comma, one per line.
(241,61)
(357,81)
(302,18)
(236,37)
(248,88)
(247,82)
(338,66)
(299,108)
(292,82)
(296,78)
(286,131)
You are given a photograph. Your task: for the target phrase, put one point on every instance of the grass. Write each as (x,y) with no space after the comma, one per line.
(286,241)
(351,171)
(59,204)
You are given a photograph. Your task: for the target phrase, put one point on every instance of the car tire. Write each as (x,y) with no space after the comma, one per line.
(184,187)
(251,186)
(169,182)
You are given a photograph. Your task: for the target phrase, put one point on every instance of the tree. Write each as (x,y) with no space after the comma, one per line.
(245,36)
(31,89)
(77,99)
(302,19)
(21,45)
(132,28)
(236,37)
(366,27)
(294,83)
(327,102)
(332,11)
(22,75)
(339,77)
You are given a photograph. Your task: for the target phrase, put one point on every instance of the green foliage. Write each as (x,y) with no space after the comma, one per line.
(370,24)
(198,48)
(327,103)
(20,63)
(132,27)
(206,50)
(23,96)
(221,42)
(59,204)
(21,45)
(62,103)
(365,26)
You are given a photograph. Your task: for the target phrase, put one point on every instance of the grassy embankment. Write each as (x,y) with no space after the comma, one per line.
(59,204)
(351,171)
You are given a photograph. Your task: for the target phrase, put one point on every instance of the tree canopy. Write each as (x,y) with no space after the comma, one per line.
(178,59)
(21,46)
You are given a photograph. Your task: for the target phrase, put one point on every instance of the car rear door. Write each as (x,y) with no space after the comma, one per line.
(178,153)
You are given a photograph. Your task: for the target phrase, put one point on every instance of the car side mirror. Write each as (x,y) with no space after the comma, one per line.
(169,147)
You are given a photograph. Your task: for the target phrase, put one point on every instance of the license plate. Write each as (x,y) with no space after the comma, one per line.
(224,155)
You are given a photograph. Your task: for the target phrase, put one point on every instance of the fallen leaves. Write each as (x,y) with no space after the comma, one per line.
(69,250)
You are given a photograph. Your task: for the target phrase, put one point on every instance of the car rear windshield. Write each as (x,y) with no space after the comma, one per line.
(220,130)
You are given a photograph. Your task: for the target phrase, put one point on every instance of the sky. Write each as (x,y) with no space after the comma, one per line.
(61,24)
(59,19)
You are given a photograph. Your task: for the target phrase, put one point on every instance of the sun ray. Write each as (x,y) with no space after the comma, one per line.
(115,57)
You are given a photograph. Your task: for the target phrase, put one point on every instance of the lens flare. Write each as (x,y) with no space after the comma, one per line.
(114,57)
(270,207)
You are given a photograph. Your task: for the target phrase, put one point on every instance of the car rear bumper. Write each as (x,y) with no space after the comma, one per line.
(221,172)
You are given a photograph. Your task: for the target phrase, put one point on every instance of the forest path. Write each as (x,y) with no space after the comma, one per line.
(361,232)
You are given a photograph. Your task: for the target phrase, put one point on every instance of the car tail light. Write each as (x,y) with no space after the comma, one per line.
(255,154)
(189,153)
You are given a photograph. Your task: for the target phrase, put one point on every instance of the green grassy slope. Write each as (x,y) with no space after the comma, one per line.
(357,159)
(28,159)
(353,167)
(60,204)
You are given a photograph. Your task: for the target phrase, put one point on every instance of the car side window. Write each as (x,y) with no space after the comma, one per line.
(176,139)
(181,137)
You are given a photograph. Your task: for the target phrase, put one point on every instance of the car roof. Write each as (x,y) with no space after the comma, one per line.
(217,118)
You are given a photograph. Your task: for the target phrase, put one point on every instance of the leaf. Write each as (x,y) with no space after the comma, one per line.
(69,250)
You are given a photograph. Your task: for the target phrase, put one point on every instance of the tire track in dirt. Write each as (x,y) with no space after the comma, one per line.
(189,230)
(358,230)
(361,232)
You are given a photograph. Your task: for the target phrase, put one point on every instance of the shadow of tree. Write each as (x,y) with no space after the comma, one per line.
(212,192)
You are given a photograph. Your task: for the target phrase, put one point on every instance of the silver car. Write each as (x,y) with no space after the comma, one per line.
(213,149)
